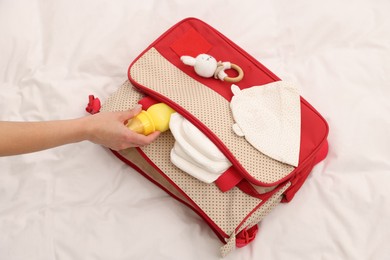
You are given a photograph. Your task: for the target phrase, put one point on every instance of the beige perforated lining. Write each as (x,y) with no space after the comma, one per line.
(255,218)
(226,209)
(153,71)
(123,99)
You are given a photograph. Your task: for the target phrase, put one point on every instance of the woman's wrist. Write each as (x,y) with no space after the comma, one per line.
(85,128)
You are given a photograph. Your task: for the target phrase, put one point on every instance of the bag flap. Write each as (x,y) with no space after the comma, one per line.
(159,73)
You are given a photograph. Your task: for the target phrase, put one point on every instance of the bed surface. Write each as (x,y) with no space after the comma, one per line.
(80,202)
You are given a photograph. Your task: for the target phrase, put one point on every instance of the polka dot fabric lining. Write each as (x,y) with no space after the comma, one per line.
(255,218)
(226,209)
(123,99)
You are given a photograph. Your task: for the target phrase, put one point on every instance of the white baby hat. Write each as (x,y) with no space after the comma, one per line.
(194,153)
(269,116)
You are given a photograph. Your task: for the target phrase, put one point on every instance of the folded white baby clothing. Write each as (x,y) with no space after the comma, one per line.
(269,116)
(194,153)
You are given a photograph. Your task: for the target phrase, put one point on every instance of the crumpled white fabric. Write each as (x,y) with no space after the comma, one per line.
(269,116)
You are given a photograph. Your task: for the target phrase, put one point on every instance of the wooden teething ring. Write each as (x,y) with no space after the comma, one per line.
(235,79)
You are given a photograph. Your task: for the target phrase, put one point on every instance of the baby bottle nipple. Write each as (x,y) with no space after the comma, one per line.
(155,118)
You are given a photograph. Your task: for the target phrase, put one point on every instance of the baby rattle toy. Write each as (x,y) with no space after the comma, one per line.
(207,66)
(155,118)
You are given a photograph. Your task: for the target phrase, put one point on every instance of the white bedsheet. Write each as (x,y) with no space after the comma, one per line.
(80,202)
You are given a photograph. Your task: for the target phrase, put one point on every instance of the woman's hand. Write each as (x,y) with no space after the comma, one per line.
(105,128)
(108,129)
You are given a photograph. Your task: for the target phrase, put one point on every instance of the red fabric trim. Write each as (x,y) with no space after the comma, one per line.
(230,178)
(296,183)
(298,180)
(321,155)
(247,188)
(264,199)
